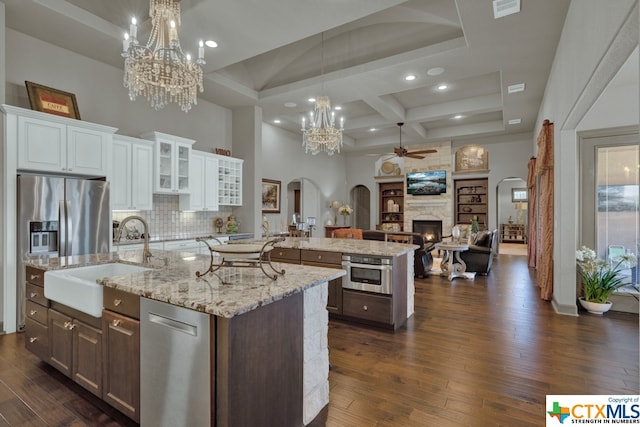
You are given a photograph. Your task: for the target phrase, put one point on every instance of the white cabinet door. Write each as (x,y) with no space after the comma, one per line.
(181,167)
(184,246)
(132,177)
(87,151)
(42,145)
(121,175)
(210,183)
(142,176)
(203,195)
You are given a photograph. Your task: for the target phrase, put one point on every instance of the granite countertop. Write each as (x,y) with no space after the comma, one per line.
(175,237)
(173,280)
(347,246)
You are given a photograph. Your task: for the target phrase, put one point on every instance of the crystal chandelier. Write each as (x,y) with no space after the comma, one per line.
(159,70)
(322,135)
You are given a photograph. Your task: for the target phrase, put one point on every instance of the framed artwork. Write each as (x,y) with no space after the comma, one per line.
(472,158)
(53,101)
(270,196)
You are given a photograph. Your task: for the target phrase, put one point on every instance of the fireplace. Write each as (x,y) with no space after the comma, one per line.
(431,230)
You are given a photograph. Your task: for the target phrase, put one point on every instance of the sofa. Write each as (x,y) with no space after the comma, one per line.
(481,251)
(422,258)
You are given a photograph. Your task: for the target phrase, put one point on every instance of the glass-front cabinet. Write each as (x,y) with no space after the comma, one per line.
(172,163)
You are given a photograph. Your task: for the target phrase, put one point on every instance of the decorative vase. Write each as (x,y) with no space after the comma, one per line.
(455,233)
(595,307)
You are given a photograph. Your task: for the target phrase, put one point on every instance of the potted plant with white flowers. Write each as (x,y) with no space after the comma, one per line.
(601,278)
(345,211)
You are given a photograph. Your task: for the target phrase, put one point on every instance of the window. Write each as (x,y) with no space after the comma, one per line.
(518,195)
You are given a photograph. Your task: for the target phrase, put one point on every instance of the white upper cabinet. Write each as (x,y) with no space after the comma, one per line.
(229,181)
(132,174)
(171,164)
(49,143)
(204,183)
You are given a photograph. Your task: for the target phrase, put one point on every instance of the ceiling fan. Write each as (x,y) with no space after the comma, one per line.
(402,152)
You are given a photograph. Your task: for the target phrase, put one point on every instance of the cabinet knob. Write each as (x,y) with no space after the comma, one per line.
(34,276)
(319,256)
(33,295)
(117,302)
(116,322)
(365,308)
(279,253)
(33,339)
(33,312)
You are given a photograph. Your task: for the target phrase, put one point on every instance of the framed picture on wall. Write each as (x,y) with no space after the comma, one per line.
(270,196)
(53,101)
(472,158)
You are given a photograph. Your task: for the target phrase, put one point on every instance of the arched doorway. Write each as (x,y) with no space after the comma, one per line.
(303,201)
(361,201)
(511,215)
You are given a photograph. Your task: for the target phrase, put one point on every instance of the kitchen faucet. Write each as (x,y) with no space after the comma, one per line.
(146,254)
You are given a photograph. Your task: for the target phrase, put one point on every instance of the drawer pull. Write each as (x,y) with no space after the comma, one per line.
(117,302)
(279,253)
(33,312)
(319,256)
(34,276)
(116,322)
(365,308)
(33,295)
(69,326)
(33,339)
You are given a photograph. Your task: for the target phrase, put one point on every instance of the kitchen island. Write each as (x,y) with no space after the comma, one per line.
(378,289)
(267,340)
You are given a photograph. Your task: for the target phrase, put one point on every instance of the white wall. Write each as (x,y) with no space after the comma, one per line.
(596,40)
(284,159)
(103,99)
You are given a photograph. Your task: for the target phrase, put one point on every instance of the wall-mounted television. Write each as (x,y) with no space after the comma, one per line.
(427,183)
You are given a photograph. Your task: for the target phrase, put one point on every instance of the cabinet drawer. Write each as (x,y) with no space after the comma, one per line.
(35,275)
(36,338)
(322,256)
(36,294)
(121,302)
(286,255)
(372,307)
(37,312)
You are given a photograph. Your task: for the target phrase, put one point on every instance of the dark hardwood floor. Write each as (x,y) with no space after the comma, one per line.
(477,353)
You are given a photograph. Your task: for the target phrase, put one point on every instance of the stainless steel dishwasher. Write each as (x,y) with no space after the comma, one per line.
(175,365)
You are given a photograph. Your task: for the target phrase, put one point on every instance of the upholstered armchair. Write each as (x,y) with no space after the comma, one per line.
(479,257)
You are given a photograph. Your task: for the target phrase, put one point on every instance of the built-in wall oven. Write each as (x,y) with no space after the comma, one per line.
(367,273)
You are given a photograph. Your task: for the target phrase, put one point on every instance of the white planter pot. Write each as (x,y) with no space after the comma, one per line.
(594,307)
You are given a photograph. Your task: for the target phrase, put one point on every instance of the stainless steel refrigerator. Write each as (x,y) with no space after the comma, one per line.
(59,216)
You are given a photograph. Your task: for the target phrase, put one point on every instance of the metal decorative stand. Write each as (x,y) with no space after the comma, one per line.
(241,256)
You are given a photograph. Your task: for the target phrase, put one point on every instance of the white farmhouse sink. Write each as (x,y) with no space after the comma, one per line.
(77,287)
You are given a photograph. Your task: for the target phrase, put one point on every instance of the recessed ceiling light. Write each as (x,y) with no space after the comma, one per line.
(519,87)
(436,71)
(337,107)
(290,104)
(276,121)
(515,121)
(443,86)
(458,116)
(410,77)
(373,130)
(211,43)
(311,100)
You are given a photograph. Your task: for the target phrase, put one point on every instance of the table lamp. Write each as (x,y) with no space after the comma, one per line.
(335,205)
(521,207)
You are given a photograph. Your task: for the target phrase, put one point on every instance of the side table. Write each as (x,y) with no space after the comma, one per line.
(451,264)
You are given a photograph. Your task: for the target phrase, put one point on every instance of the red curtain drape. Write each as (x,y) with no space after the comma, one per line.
(544,226)
(531,212)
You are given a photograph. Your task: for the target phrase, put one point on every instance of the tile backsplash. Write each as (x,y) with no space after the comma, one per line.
(166,220)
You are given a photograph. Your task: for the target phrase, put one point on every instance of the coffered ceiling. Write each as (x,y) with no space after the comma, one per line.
(277,52)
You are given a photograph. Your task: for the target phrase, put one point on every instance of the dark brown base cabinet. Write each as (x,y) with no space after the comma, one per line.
(386,311)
